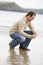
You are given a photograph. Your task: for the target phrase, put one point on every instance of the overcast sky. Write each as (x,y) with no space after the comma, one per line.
(37,4)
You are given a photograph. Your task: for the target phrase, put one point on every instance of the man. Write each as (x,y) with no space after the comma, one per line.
(20,35)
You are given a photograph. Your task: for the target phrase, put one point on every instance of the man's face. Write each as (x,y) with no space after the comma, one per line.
(31,18)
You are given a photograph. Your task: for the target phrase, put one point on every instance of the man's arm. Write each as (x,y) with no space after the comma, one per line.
(21,30)
(31,27)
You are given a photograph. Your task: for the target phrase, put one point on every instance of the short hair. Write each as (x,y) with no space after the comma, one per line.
(31,13)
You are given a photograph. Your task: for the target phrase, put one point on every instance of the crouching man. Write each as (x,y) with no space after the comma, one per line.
(20,35)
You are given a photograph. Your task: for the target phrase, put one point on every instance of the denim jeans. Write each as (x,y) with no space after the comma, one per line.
(19,39)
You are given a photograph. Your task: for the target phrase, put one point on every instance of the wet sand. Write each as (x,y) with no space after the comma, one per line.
(19,56)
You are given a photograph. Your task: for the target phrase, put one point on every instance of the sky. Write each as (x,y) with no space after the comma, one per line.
(37,4)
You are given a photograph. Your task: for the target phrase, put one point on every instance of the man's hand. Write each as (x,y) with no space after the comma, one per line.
(32,36)
(36,33)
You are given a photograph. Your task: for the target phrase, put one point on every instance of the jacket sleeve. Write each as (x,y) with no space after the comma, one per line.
(31,27)
(21,30)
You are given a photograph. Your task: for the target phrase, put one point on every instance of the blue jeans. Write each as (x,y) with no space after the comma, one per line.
(19,39)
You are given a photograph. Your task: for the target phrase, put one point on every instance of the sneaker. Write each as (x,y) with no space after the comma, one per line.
(24,48)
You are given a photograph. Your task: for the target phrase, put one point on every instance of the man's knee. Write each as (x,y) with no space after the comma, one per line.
(29,32)
(22,39)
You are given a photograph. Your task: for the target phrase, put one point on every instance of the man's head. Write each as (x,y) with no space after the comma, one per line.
(30,16)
